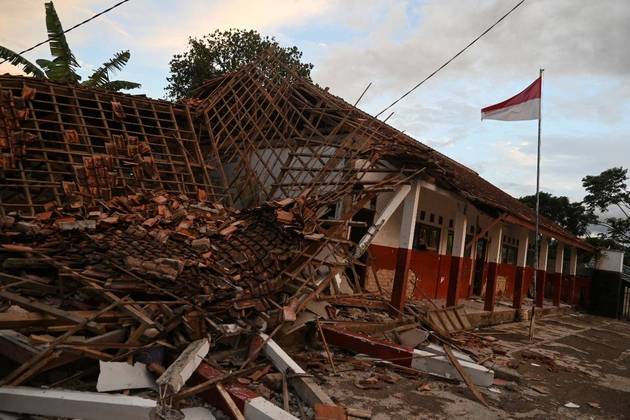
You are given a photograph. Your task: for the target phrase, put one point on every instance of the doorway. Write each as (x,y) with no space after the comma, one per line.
(480,259)
(356,233)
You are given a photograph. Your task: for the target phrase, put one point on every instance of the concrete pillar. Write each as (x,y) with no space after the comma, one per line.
(494,258)
(405,244)
(557,274)
(573,274)
(443,237)
(457,259)
(521,263)
(541,271)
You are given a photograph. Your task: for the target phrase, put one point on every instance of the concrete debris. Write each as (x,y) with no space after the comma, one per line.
(116,376)
(197,413)
(75,404)
(174,378)
(260,409)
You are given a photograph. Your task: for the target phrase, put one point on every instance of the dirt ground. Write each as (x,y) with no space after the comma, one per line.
(575,358)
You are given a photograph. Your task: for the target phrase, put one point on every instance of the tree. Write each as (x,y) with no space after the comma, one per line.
(63,67)
(223,52)
(606,192)
(574,217)
(608,189)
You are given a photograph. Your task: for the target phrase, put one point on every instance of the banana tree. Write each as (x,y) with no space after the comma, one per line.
(63,67)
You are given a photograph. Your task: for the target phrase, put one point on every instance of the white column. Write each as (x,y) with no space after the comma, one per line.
(459,243)
(405,243)
(408,222)
(460,226)
(559,257)
(494,247)
(523,244)
(385,214)
(573,261)
(543,254)
(443,237)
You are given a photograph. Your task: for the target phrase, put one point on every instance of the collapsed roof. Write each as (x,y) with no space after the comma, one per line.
(148,225)
(259,134)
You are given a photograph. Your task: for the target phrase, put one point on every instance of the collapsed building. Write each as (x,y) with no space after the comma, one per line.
(229,215)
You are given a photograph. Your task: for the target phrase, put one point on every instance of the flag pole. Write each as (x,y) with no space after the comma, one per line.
(537,233)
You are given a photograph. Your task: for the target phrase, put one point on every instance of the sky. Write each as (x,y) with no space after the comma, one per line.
(581,44)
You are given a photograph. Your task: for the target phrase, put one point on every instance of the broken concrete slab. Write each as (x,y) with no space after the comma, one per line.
(261,409)
(441,366)
(432,362)
(176,375)
(437,349)
(304,385)
(412,337)
(197,413)
(116,376)
(75,404)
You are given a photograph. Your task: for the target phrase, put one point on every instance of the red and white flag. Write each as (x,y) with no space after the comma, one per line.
(521,107)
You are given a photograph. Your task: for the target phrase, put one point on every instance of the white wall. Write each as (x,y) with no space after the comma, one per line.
(610,261)
(430,202)
(390,232)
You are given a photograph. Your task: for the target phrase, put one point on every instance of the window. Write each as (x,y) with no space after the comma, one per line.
(508,254)
(449,242)
(422,214)
(468,249)
(426,237)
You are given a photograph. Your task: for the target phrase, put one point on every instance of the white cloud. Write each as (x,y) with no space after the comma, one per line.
(581,44)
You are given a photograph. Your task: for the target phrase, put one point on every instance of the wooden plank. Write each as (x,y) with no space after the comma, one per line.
(51,310)
(450,314)
(444,321)
(464,375)
(234,412)
(463,318)
(17,347)
(132,309)
(22,319)
(35,363)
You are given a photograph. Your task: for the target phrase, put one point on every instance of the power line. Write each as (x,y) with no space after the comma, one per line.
(68,30)
(452,58)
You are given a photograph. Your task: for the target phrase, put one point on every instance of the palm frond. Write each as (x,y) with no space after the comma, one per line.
(101,74)
(18,60)
(118,85)
(59,48)
(46,65)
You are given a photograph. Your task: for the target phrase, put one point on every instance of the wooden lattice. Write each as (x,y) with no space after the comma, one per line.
(62,144)
(272,135)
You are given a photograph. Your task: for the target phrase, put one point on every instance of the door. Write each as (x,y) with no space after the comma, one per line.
(480,265)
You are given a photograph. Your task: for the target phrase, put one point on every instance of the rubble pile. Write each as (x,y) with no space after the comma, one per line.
(180,299)
(132,287)
(154,248)
(139,278)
